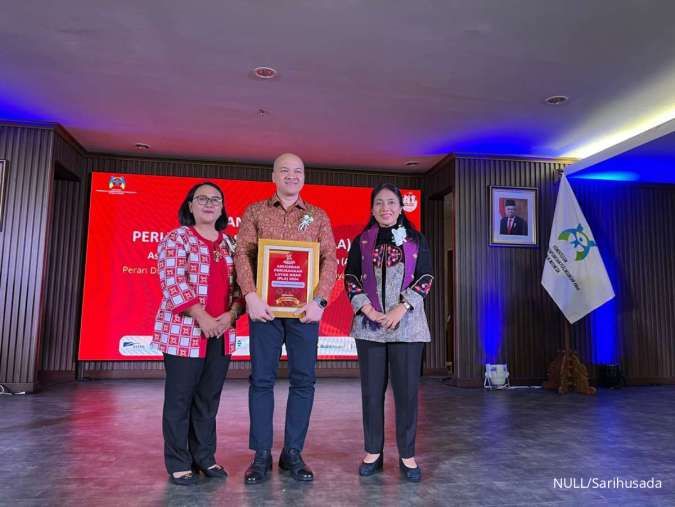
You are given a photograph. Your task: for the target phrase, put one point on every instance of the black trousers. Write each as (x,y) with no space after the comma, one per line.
(265,344)
(191,398)
(376,362)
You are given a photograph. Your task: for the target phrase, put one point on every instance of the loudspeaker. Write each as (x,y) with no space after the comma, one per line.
(609,375)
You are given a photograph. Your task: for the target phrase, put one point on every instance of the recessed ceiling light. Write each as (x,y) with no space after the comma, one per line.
(412,163)
(142,146)
(556,100)
(265,72)
(262,113)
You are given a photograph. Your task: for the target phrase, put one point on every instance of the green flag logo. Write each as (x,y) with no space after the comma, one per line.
(579,240)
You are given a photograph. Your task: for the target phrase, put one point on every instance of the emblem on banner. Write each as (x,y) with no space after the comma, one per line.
(137,346)
(117,185)
(117,182)
(579,240)
(409,203)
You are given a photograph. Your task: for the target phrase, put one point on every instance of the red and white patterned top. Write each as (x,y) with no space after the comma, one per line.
(184,266)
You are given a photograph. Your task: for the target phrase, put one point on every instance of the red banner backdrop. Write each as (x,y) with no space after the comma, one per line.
(128,216)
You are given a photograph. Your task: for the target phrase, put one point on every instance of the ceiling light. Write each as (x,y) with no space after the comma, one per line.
(142,146)
(658,121)
(556,100)
(265,72)
(412,163)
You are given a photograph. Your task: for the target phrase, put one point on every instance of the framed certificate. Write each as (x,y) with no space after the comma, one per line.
(288,273)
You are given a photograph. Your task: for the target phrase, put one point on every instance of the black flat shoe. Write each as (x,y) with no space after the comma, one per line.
(257,472)
(216,471)
(411,474)
(291,461)
(366,469)
(188,479)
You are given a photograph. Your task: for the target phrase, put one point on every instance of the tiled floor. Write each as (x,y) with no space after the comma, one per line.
(100,443)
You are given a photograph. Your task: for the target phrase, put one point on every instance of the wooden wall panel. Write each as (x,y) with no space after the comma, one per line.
(65,258)
(634,226)
(436,351)
(438,182)
(22,250)
(63,283)
(499,297)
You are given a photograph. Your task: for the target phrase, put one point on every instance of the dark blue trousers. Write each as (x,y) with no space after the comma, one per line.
(266,339)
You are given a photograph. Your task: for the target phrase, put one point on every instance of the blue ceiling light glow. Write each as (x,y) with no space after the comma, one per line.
(485,147)
(17,105)
(606,175)
(21,107)
(507,139)
(492,326)
(643,169)
(651,162)
(12,111)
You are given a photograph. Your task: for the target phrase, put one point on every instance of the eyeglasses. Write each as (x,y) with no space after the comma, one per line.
(203,200)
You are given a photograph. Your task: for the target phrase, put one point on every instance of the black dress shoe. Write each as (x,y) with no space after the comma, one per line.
(366,469)
(216,471)
(291,461)
(411,474)
(188,479)
(257,472)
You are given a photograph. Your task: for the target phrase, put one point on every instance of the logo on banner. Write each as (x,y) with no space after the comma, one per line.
(409,203)
(137,346)
(579,240)
(342,347)
(117,185)
(574,274)
(117,182)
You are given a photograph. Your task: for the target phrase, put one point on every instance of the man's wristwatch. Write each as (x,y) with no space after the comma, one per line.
(321,301)
(408,307)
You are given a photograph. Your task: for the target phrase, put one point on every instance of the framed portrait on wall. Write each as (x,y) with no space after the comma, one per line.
(513,216)
(3,190)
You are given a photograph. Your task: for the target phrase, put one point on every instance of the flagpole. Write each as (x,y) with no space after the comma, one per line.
(567,331)
(572,255)
(567,373)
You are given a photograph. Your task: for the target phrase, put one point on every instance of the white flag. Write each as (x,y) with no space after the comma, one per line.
(574,274)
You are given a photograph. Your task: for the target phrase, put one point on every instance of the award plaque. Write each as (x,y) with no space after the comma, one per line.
(288,273)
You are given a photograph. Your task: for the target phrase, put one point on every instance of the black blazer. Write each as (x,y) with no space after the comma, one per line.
(519,227)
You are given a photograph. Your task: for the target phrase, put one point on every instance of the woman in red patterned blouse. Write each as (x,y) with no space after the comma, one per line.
(194,329)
